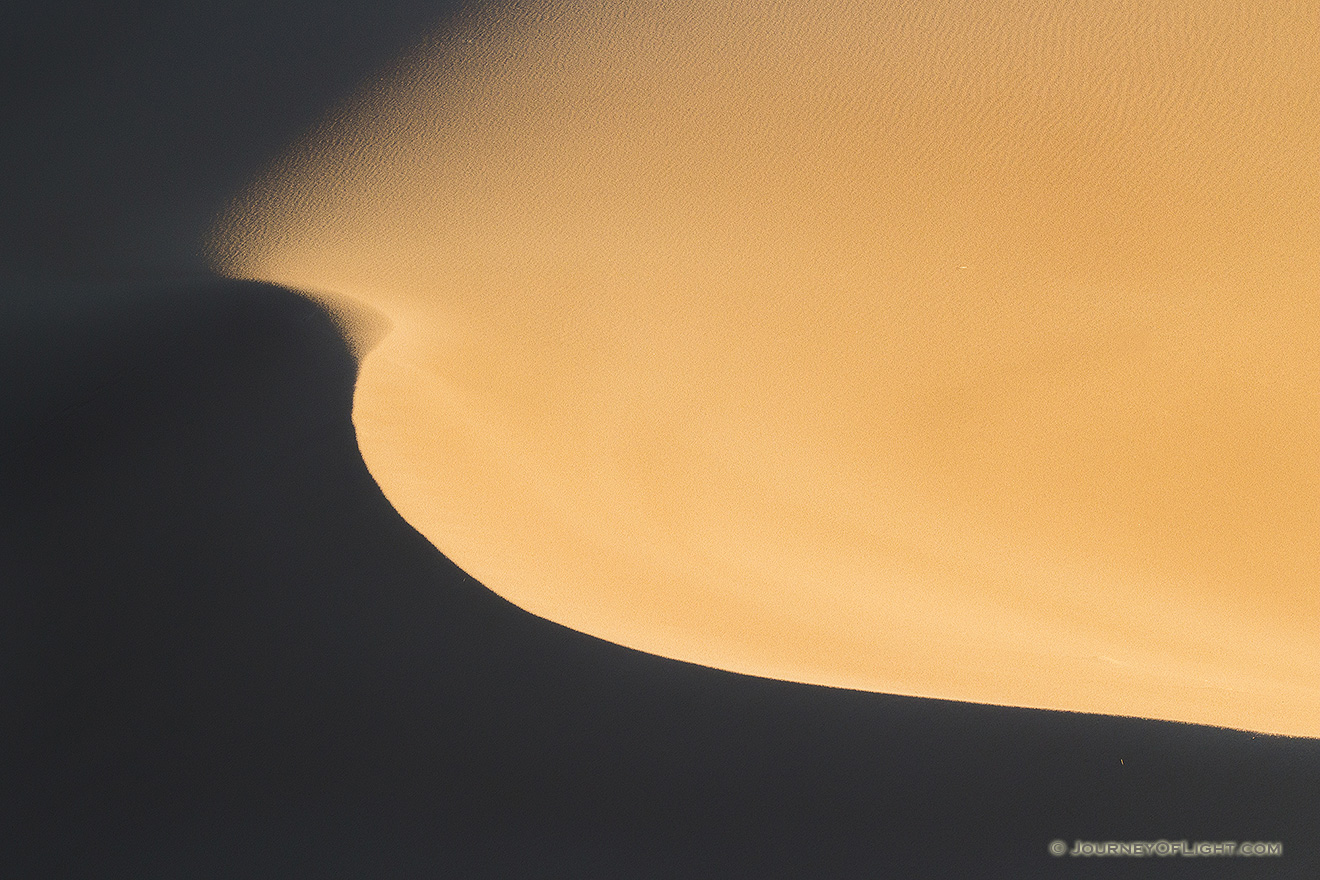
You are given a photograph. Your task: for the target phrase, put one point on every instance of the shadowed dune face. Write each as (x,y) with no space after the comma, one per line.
(957,350)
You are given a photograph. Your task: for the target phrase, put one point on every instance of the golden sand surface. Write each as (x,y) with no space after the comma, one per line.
(960,350)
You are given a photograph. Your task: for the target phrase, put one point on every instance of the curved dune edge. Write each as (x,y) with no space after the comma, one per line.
(969,353)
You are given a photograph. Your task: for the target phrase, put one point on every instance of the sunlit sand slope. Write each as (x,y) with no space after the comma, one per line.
(963,350)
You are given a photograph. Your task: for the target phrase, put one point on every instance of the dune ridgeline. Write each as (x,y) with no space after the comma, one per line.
(958,350)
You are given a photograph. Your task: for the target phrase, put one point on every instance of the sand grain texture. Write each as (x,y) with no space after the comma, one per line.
(957,351)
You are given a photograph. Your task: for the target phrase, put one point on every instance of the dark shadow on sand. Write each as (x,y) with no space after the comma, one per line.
(225,655)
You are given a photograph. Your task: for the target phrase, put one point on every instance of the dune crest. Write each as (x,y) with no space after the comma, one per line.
(967,351)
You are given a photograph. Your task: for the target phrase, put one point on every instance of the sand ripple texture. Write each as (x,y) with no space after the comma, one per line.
(961,350)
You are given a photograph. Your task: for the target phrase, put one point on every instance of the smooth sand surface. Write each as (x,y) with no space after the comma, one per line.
(956,350)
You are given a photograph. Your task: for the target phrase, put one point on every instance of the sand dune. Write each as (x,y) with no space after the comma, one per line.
(957,350)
